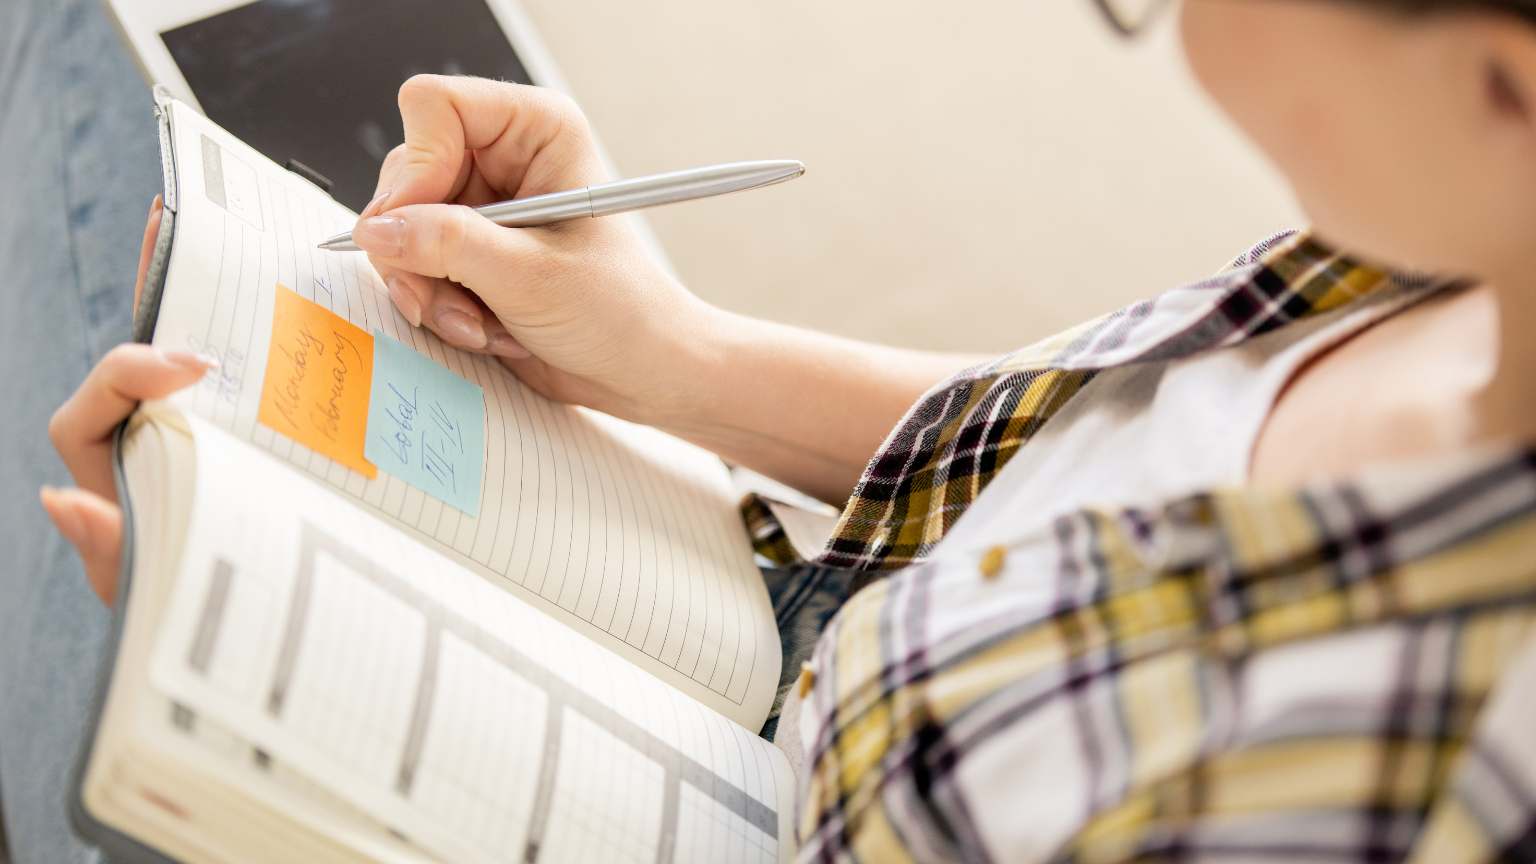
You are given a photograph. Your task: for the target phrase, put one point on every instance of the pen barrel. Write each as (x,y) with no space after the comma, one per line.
(623,195)
(540,209)
(689,185)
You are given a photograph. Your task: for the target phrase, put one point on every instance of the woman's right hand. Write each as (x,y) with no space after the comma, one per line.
(580,310)
(582,313)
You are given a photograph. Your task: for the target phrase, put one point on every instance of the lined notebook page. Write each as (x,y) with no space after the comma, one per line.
(450,711)
(624,533)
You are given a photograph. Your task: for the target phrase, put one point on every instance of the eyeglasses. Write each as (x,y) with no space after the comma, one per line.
(1130,17)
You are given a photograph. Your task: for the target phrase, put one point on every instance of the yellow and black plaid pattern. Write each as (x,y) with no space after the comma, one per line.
(1344,673)
(959,435)
(1234,676)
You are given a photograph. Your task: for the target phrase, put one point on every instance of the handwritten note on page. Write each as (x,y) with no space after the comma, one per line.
(426,425)
(319,374)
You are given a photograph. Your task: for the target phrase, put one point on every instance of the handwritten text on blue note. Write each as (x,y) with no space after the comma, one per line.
(426,425)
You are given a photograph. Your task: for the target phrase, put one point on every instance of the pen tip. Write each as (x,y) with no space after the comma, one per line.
(339,243)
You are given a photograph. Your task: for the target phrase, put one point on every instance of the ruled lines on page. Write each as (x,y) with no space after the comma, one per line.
(449,711)
(615,528)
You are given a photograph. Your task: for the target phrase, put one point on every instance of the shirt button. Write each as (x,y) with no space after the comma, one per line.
(992,562)
(807,678)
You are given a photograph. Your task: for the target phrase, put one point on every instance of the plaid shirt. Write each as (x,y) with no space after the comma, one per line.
(1344,672)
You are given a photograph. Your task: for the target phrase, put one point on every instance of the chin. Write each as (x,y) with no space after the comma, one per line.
(1378,242)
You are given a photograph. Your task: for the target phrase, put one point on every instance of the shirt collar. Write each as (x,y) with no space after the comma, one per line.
(1288,277)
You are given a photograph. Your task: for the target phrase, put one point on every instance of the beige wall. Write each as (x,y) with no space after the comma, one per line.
(979,174)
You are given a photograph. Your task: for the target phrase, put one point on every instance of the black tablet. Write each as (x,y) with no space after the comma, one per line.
(312,83)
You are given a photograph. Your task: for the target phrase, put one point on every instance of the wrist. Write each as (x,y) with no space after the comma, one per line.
(685,352)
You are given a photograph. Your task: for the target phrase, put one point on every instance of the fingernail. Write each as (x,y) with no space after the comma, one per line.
(404,300)
(189,359)
(376,205)
(506,345)
(381,235)
(460,329)
(64,517)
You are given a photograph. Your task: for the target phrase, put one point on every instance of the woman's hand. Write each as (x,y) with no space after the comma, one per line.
(578,310)
(581,312)
(88,516)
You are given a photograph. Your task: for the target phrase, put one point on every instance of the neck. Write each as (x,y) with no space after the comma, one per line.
(1504,405)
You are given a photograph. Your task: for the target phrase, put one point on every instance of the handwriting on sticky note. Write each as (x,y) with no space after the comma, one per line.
(318,379)
(426,425)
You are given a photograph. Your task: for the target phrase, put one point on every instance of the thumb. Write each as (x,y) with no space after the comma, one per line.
(447,241)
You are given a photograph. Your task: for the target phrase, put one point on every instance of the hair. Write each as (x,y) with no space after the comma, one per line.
(1525,9)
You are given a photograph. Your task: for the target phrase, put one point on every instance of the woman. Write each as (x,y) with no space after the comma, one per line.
(1245,572)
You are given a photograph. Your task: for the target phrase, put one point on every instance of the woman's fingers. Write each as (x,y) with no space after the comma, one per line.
(457,317)
(410,294)
(82,431)
(437,304)
(476,191)
(390,173)
(387,171)
(450,311)
(82,427)
(410,297)
(453,242)
(470,141)
(525,140)
(94,526)
(501,343)
(147,247)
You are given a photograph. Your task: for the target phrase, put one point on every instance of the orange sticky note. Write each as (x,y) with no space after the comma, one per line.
(319,375)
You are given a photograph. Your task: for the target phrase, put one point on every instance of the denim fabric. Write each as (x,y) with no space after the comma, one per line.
(78,167)
(804,598)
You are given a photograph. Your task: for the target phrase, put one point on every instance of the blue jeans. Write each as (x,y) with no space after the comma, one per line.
(804,599)
(78,167)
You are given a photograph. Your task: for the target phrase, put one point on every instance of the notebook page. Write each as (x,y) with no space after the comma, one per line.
(451,712)
(180,814)
(628,535)
(215,752)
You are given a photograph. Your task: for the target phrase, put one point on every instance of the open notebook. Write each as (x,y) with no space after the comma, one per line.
(538,637)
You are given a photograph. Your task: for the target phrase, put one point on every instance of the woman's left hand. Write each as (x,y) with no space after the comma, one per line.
(82,429)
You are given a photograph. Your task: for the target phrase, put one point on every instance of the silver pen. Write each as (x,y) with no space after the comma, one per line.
(623,195)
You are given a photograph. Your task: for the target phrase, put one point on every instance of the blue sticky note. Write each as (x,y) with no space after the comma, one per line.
(426,425)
